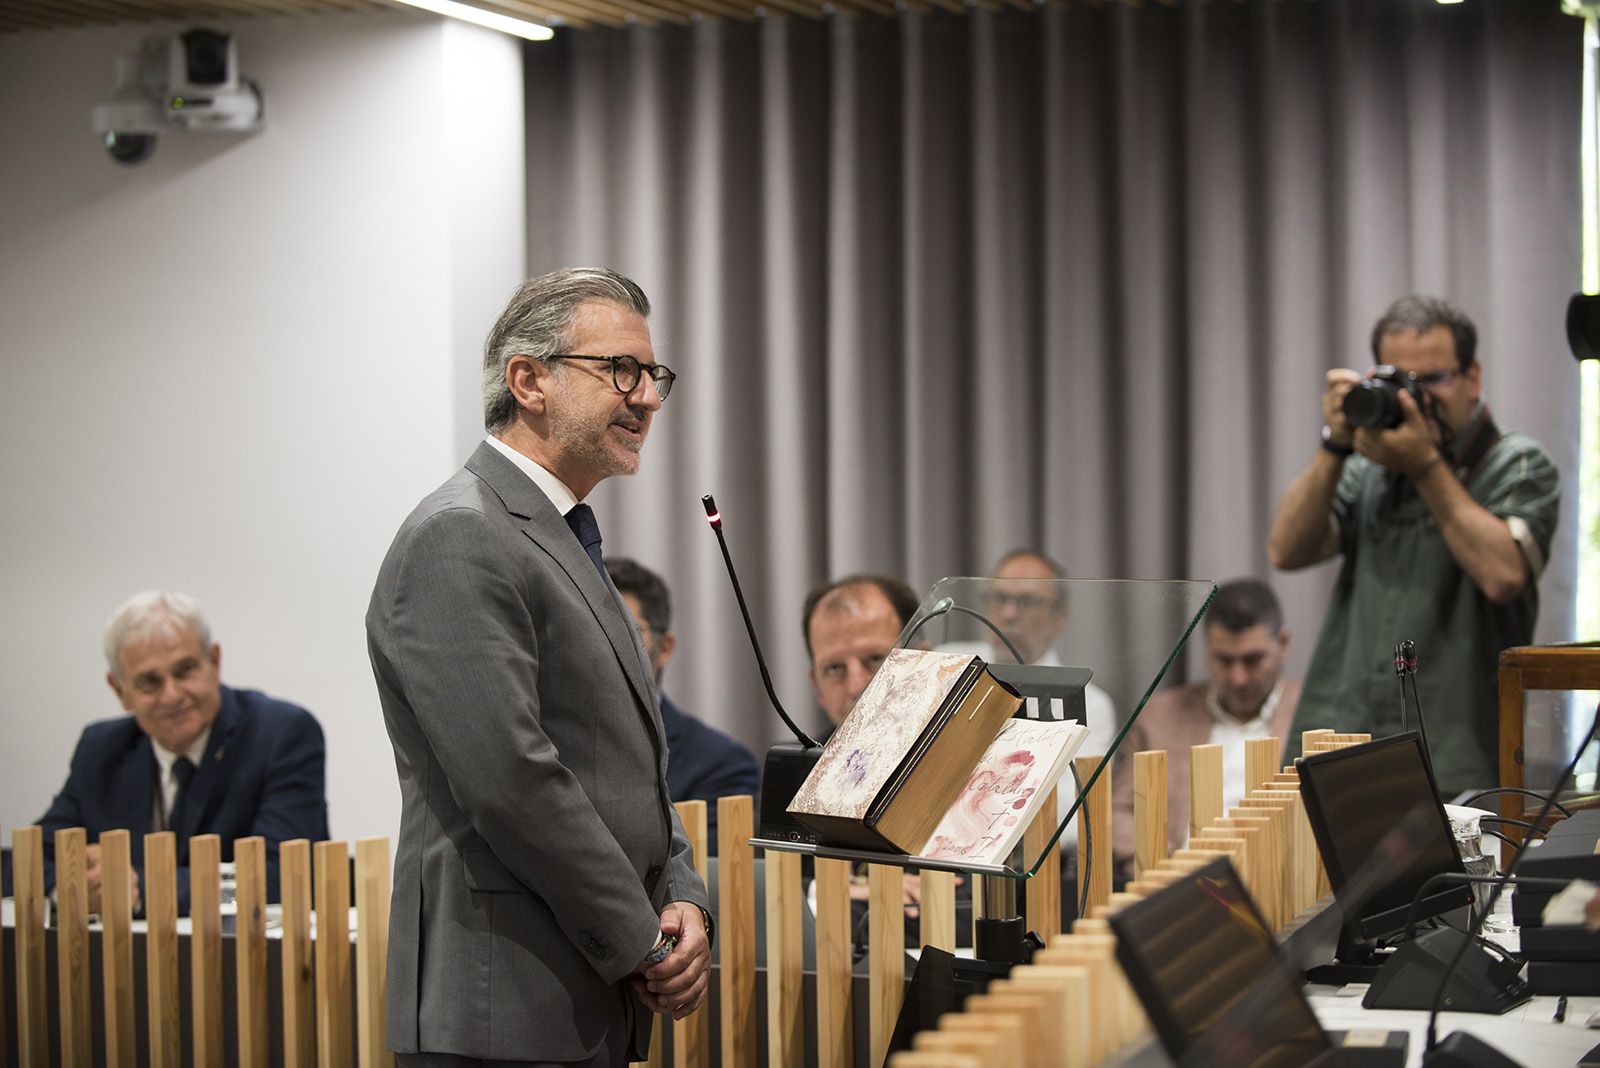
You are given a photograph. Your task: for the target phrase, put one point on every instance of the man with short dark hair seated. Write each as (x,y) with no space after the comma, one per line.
(1245,696)
(192,756)
(703,764)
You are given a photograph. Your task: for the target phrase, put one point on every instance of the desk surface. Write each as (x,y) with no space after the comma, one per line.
(1527,1034)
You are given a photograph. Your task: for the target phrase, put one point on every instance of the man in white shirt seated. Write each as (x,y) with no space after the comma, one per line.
(1033,613)
(1245,696)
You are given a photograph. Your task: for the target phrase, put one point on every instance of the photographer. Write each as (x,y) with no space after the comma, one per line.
(1444,522)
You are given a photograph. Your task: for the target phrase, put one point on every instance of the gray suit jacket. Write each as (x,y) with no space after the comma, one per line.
(537,842)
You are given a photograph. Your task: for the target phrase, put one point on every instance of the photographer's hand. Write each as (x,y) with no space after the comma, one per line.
(1410,449)
(1339,381)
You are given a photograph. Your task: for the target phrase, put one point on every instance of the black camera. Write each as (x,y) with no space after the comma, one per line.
(1375,400)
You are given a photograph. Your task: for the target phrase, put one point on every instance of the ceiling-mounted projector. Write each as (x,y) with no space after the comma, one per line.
(189,80)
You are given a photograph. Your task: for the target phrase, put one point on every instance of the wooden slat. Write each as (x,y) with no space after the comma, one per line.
(1044,889)
(1260,761)
(205,948)
(250,950)
(1010,1028)
(691,1036)
(1071,985)
(332,878)
(116,949)
(886,954)
(785,966)
(1096,810)
(835,1007)
(74,1008)
(299,1010)
(27,877)
(736,930)
(1012,1008)
(164,1018)
(1149,809)
(1205,786)
(936,909)
(372,950)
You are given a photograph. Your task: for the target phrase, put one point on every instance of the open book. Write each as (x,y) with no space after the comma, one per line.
(900,757)
(1006,791)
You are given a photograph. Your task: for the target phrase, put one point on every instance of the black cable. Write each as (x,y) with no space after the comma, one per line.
(948,604)
(1512,842)
(1463,877)
(1086,853)
(1494,895)
(1530,828)
(1422,720)
(1481,794)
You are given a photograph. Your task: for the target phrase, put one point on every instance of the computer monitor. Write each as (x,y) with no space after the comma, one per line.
(1206,969)
(1382,832)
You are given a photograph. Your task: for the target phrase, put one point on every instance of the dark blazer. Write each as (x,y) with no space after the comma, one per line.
(704,764)
(262,774)
(537,842)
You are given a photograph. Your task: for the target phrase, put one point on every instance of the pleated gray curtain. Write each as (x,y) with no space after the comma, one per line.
(940,286)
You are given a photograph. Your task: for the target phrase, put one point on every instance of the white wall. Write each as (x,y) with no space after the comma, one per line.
(233,369)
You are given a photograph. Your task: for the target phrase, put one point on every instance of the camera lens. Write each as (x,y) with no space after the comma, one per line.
(130,148)
(1372,403)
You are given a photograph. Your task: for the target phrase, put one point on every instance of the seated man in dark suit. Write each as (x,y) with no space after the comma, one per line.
(702,763)
(193,756)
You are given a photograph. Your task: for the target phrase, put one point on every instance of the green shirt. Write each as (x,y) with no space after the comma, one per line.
(1399,581)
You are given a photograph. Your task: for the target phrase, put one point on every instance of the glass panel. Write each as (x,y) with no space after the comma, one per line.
(1088,646)
(1553,723)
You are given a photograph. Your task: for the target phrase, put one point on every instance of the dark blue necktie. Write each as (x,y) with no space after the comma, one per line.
(581,520)
(182,770)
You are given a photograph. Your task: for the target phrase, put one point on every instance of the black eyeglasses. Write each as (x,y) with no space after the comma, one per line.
(625,372)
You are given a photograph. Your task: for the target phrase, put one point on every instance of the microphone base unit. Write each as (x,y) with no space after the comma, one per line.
(1487,980)
(787,766)
(1461,1050)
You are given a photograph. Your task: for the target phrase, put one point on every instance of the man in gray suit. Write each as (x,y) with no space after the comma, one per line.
(544,900)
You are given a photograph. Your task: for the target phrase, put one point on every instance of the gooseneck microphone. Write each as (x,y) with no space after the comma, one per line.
(788,763)
(1405,667)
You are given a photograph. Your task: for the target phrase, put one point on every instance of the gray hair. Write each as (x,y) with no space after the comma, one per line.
(152,612)
(538,323)
(1421,314)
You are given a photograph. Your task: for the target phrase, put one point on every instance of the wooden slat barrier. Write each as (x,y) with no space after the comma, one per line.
(372,949)
(72,946)
(736,930)
(27,877)
(161,950)
(691,1036)
(1044,889)
(1070,1007)
(937,909)
(1205,786)
(205,948)
(332,951)
(886,958)
(116,949)
(835,1004)
(1096,811)
(1149,809)
(250,950)
(299,1008)
(785,1001)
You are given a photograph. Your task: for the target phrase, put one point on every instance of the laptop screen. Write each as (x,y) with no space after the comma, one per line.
(1355,798)
(1208,973)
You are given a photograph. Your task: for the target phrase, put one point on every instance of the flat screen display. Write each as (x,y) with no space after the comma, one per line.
(1381,830)
(1210,977)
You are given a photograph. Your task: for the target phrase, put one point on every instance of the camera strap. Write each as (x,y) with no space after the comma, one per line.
(1468,450)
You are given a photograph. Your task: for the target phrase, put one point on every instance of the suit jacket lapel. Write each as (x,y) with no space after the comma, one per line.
(137,793)
(545,526)
(211,772)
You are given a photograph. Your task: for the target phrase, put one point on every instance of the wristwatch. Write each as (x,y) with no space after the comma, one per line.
(1341,451)
(661,950)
